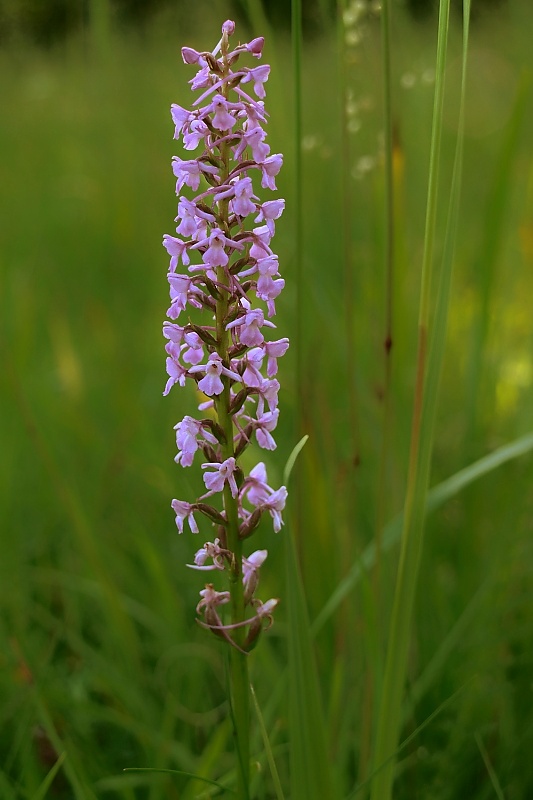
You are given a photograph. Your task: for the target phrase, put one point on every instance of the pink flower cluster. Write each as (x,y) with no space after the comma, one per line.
(223,241)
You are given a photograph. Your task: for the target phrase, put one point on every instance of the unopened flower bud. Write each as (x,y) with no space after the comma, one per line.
(243,440)
(210,512)
(248,527)
(254,633)
(208,452)
(239,264)
(255,47)
(204,335)
(239,399)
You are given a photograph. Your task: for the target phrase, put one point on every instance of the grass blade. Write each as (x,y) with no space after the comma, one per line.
(292,458)
(268,748)
(490,769)
(436,497)
(183,774)
(45,785)
(406,741)
(424,405)
(310,768)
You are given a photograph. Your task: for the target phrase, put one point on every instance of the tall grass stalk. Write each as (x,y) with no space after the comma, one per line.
(375,671)
(347,211)
(297,44)
(311,776)
(425,399)
(309,765)
(388,213)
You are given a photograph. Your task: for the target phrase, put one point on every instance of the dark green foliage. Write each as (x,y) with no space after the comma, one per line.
(47,21)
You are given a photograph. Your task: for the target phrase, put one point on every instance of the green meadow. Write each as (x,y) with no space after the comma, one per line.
(102,665)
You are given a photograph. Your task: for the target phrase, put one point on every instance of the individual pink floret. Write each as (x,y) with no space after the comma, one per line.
(259,76)
(212,383)
(223,473)
(249,327)
(184,511)
(275,505)
(270,168)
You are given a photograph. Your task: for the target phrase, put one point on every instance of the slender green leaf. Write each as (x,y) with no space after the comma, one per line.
(490,769)
(268,748)
(407,741)
(292,459)
(74,772)
(436,497)
(310,768)
(47,782)
(184,774)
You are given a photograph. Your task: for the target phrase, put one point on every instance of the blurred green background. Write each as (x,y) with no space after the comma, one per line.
(100,657)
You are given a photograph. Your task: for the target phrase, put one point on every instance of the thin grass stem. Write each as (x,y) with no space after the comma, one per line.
(381,505)
(389,717)
(347,249)
(490,769)
(297,47)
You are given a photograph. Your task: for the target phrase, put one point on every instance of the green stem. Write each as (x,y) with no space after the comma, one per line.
(238,662)
(239,684)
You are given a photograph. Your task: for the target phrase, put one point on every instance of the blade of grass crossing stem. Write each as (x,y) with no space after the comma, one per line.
(45,785)
(448,646)
(454,484)
(436,497)
(196,778)
(71,766)
(389,716)
(490,769)
(309,760)
(212,756)
(358,789)
(268,749)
